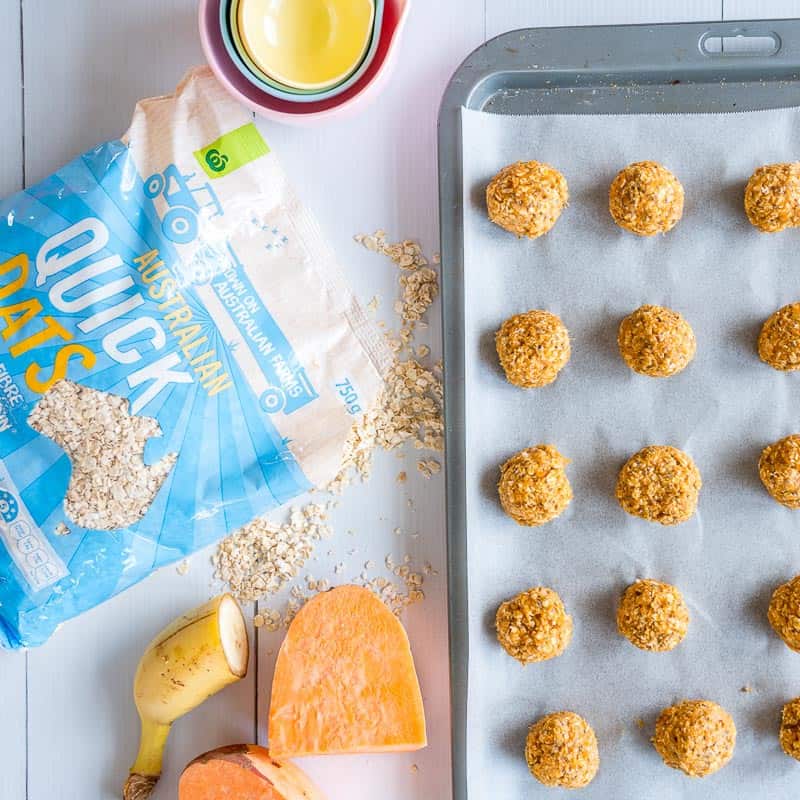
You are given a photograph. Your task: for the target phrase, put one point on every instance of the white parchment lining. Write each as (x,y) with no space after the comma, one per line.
(725,278)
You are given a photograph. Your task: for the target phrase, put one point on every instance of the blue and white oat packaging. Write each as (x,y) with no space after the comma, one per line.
(175,269)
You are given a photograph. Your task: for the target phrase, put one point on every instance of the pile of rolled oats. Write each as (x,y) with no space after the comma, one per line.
(110,487)
(410,409)
(261,558)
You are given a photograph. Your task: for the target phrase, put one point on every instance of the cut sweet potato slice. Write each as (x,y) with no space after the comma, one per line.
(345,680)
(244,772)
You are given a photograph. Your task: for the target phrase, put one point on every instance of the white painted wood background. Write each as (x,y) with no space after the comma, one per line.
(68,728)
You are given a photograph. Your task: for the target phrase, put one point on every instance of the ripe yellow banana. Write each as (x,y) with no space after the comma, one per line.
(197,655)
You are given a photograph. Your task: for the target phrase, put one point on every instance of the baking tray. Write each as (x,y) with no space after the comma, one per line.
(674,68)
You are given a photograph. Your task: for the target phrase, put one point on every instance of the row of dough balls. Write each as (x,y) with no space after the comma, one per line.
(533,347)
(652,615)
(695,736)
(645,198)
(660,483)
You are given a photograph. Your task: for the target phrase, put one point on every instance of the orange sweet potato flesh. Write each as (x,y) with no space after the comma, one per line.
(244,772)
(345,680)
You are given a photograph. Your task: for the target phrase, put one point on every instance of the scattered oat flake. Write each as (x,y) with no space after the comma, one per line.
(264,557)
(429,467)
(410,409)
(414,768)
(182,568)
(746,689)
(640,723)
(62,530)
(110,485)
(260,558)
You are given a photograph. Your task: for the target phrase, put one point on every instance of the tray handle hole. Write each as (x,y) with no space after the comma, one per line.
(739,44)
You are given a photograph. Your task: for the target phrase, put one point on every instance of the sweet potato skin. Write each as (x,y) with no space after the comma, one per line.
(244,772)
(345,681)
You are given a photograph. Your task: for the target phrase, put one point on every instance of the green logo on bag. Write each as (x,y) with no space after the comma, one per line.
(231,151)
(216,160)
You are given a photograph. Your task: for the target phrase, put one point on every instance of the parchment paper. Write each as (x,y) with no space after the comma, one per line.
(726,278)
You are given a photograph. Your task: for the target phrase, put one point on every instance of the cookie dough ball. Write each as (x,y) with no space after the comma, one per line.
(561,750)
(695,736)
(656,341)
(790,729)
(779,341)
(534,625)
(533,487)
(646,198)
(779,470)
(653,615)
(660,484)
(772,197)
(784,613)
(533,348)
(527,198)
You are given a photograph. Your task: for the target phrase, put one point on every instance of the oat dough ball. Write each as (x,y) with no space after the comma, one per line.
(653,615)
(527,198)
(784,613)
(790,729)
(779,340)
(695,736)
(656,341)
(533,348)
(779,470)
(534,625)
(534,487)
(772,197)
(660,484)
(646,198)
(561,750)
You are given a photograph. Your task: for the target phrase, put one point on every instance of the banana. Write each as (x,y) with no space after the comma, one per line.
(197,655)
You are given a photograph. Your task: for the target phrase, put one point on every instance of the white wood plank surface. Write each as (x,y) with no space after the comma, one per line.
(381,165)
(11,94)
(753,9)
(13,712)
(506,15)
(86,64)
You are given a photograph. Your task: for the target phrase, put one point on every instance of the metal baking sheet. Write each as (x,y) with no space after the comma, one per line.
(632,70)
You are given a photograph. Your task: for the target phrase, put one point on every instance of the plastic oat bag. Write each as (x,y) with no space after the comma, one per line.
(178,354)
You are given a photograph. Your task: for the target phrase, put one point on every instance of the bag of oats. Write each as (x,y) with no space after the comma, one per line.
(178,355)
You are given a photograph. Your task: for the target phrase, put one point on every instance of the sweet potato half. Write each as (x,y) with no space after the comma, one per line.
(244,772)
(345,680)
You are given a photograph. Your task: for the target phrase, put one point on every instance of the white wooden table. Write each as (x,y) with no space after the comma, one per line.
(68,729)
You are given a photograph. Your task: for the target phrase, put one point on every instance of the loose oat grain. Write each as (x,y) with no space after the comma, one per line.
(260,558)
